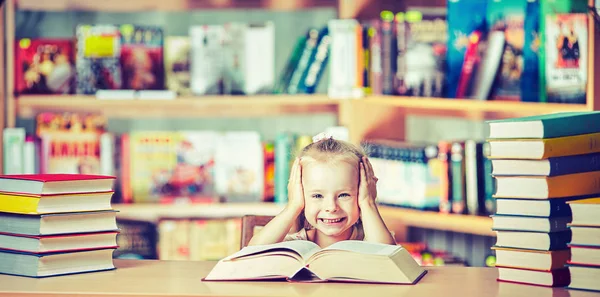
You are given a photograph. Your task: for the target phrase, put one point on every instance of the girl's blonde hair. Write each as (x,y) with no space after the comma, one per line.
(331,150)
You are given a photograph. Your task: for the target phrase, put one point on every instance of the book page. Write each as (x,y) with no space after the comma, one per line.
(364,247)
(304,248)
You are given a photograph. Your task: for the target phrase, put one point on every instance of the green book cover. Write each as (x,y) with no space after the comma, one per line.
(562,123)
(292,63)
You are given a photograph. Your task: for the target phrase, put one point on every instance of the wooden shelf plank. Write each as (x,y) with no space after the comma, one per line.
(171,5)
(394,216)
(478,225)
(207,106)
(153,212)
(472,106)
(261,105)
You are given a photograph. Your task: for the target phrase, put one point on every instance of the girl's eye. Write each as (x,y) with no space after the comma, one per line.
(344,195)
(317,196)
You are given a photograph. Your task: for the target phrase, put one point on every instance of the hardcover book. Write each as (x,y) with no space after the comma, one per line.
(43,265)
(301,260)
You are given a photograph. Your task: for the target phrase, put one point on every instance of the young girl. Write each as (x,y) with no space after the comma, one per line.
(331,195)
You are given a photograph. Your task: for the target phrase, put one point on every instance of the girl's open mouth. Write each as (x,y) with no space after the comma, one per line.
(332,221)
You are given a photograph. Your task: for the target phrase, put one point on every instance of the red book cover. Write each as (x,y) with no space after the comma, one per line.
(560,277)
(66,236)
(44,66)
(142,57)
(55,177)
(469,64)
(57,235)
(375,67)
(445,176)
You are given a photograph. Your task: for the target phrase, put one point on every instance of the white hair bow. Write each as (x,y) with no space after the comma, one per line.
(321,136)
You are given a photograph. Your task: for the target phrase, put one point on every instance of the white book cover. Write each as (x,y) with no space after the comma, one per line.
(239,167)
(14,141)
(343,59)
(249,58)
(566,57)
(207,59)
(260,58)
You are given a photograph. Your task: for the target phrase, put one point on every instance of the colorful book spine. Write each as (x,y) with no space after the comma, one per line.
(388,56)
(283,154)
(458,182)
(317,65)
(488,180)
(464,17)
(508,16)
(290,66)
(376,60)
(13,141)
(312,38)
(531,68)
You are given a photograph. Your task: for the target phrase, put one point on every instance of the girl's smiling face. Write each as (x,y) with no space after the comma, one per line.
(330,195)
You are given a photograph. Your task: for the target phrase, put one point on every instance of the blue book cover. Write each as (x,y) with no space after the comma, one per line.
(306,57)
(574,164)
(557,240)
(530,77)
(464,17)
(556,207)
(318,60)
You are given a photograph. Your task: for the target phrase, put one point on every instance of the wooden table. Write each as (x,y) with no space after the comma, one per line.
(182,278)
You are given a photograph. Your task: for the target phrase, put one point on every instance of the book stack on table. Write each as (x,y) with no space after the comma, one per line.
(541,164)
(55,224)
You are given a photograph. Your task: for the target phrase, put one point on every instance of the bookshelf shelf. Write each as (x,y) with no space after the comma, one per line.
(489,108)
(393,216)
(478,225)
(261,105)
(153,212)
(172,5)
(206,106)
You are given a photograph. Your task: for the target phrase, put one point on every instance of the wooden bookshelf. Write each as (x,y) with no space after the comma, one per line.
(393,216)
(206,106)
(171,5)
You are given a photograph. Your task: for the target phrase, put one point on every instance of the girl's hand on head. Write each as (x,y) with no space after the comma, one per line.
(367,189)
(295,189)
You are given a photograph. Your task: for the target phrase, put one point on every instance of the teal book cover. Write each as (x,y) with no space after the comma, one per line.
(561,124)
(531,76)
(464,17)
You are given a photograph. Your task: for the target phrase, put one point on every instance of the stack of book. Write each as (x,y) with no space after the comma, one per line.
(55,224)
(540,163)
(585,244)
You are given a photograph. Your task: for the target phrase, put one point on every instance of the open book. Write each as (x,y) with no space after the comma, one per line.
(300,260)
